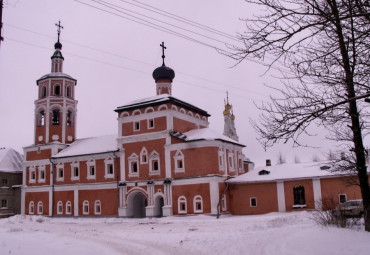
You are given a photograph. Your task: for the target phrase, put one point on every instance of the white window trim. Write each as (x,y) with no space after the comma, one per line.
(58,168)
(221,164)
(60,206)
(231,160)
(179,156)
(224,203)
(38,207)
(69,204)
(198,198)
(250,201)
(42,169)
(95,207)
(149,127)
(179,200)
(134,127)
(109,161)
(73,166)
(85,202)
(133,158)
(142,153)
(89,164)
(345,195)
(31,205)
(32,171)
(240,166)
(154,156)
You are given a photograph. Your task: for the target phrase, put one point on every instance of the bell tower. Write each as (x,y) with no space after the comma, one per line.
(56,107)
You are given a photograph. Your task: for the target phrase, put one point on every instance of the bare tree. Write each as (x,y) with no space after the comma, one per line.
(322,48)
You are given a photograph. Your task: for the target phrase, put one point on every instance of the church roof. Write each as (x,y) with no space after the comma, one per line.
(207,134)
(287,171)
(157,100)
(91,145)
(10,160)
(56,75)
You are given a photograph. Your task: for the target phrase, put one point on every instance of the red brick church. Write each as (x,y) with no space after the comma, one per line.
(164,160)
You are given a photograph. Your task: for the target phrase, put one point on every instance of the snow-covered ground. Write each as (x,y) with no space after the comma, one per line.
(275,233)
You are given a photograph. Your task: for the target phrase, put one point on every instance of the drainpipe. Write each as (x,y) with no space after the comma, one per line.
(219,201)
(52,185)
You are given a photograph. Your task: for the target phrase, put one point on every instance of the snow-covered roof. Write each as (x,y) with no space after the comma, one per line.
(159,99)
(285,171)
(207,134)
(91,145)
(10,160)
(56,75)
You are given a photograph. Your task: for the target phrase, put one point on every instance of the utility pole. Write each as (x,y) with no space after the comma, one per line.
(1,21)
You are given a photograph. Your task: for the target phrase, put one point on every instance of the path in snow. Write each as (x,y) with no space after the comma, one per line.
(275,234)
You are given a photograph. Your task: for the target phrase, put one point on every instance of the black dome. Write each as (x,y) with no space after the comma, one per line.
(58,45)
(163,73)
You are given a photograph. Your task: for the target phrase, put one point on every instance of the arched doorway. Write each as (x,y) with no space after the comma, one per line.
(136,204)
(158,204)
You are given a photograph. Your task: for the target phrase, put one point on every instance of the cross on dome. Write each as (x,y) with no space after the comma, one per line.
(163,56)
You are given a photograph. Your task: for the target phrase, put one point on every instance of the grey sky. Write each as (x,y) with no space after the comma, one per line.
(113,58)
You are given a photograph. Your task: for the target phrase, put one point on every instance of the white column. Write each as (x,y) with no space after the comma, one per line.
(23,200)
(50,201)
(214,195)
(317,193)
(122,165)
(64,117)
(75,205)
(281,196)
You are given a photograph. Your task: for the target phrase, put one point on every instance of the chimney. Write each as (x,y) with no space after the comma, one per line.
(268,162)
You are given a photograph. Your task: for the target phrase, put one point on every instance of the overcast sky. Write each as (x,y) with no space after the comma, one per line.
(112,57)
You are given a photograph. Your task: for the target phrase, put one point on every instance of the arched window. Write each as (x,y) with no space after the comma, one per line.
(68,91)
(179,162)
(69,118)
(68,207)
(182,204)
(55,117)
(41,118)
(198,204)
(57,90)
(31,208)
(97,207)
(39,207)
(299,196)
(154,168)
(144,156)
(60,207)
(85,207)
(43,91)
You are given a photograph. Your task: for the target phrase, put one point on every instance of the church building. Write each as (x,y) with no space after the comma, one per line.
(164,160)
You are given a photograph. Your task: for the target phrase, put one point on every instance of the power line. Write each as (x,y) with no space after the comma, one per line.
(123,57)
(130,69)
(113,6)
(181,19)
(158,27)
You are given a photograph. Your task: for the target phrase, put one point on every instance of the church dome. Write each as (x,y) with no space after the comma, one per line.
(163,73)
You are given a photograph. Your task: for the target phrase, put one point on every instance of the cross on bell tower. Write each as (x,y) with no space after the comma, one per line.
(59,28)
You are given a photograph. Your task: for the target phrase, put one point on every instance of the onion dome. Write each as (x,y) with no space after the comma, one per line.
(163,73)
